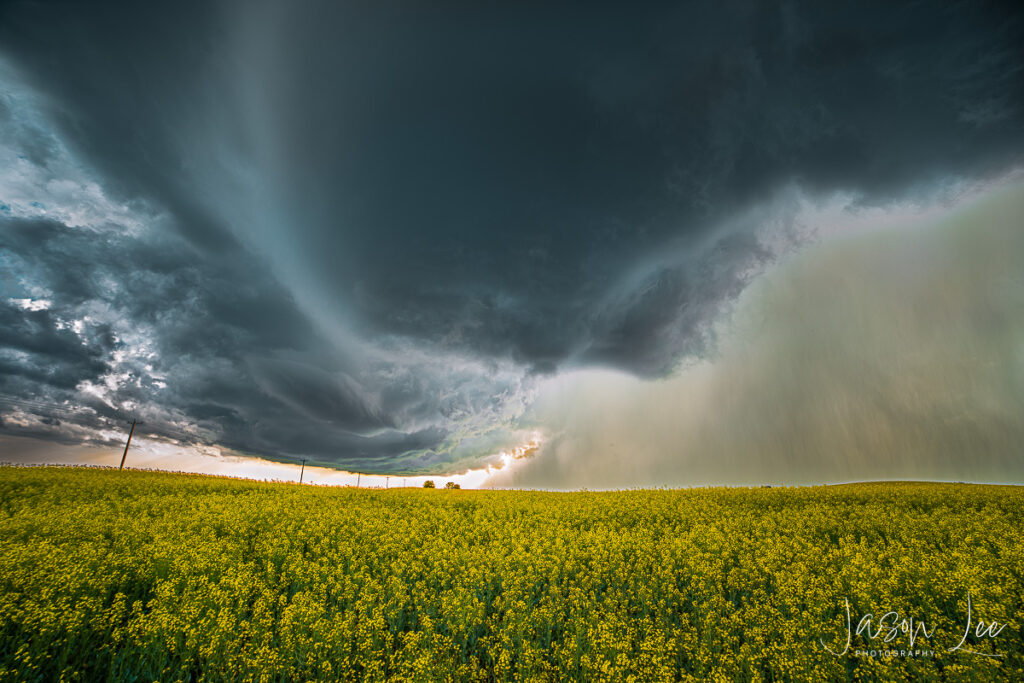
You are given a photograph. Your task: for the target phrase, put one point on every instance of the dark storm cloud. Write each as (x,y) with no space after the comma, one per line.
(48,353)
(125,87)
(505,191)
(179,341)
(486,176)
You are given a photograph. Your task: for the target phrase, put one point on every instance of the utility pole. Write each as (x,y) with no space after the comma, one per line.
(358,477)
(387,482)
(303,470)
(127,443)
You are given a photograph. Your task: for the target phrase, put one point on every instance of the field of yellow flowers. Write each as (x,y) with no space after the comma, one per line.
(141,576)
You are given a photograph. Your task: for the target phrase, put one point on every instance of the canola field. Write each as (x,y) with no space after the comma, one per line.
(141,576)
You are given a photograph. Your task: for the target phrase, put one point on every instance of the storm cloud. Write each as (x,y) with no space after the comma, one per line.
(891,353)
(367,234)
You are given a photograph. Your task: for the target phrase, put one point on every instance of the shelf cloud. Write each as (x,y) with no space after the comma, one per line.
(376,235)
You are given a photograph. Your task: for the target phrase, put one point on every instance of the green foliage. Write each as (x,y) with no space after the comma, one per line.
(136,576)
(452,485)
(428,484)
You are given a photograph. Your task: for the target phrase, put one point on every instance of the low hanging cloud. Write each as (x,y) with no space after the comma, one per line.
(894,353)
(109,314)
(369,235)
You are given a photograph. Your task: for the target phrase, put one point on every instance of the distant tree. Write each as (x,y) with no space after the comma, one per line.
(429,484)
(452,485)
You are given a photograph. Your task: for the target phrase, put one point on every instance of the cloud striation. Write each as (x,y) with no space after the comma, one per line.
(369,234)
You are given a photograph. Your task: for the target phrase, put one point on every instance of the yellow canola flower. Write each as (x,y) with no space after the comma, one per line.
(150,576)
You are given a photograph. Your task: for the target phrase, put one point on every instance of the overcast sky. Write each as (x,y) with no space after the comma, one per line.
(600,245)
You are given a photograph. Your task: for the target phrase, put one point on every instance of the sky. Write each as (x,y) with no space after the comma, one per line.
(515,244)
